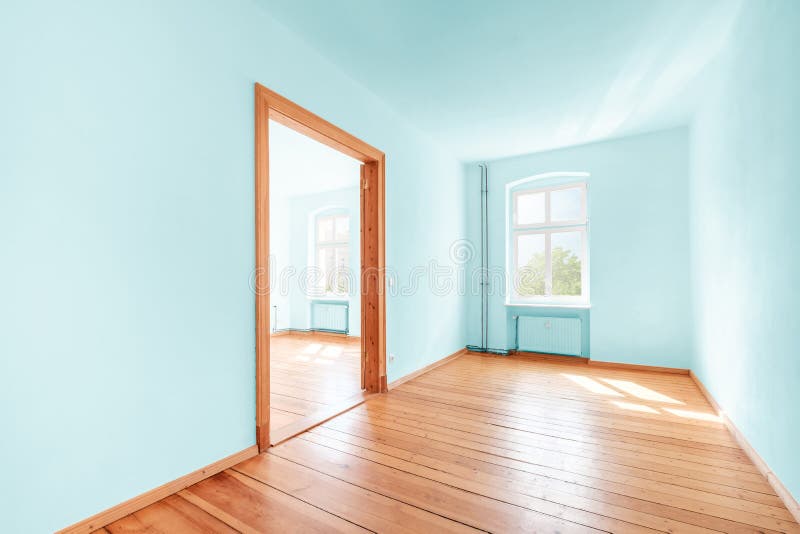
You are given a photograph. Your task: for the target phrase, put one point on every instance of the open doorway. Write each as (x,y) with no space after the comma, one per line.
(319,277)
(315,256)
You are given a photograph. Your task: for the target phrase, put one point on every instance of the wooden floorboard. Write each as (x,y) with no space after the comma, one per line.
(498,444)
(309,372)
(173,514)
(369,509)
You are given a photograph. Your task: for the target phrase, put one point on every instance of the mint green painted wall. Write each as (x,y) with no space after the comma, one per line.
(126,223)
(638,247)
(745,165)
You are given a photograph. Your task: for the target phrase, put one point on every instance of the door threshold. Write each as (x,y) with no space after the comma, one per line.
(317,418)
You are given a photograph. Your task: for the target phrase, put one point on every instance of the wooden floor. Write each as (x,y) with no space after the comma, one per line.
(500,444)
(309,372)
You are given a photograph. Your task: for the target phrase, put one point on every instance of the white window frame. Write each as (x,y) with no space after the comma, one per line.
(332,243)
(546,228)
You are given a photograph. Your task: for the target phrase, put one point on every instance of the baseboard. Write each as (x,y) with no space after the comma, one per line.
(638,367)
(311,332)
(543,356)
(489,350)
(580,360)
(146,499)
(781,490)
(429,367)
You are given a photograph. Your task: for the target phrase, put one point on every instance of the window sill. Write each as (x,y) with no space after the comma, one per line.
(547,305)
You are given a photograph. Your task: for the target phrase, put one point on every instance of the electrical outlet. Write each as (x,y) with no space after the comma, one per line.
(391,357)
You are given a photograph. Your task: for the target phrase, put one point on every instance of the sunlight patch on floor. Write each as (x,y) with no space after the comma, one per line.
(331,351)
(640,392)
(689,414)
(592,385)
(635,407)
(312,348)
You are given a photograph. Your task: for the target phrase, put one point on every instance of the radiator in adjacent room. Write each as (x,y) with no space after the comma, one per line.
(551,335)
(330,316)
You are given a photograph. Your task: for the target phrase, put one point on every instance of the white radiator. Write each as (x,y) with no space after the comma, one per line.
(551,335)
(330,316)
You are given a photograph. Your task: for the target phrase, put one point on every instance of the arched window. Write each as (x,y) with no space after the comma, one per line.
(332,253)
(547,240)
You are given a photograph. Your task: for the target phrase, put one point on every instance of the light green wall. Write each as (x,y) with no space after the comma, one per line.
(127,231)
(745,177)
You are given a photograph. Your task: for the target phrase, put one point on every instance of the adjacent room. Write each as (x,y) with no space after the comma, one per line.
(399,266)
(315,305)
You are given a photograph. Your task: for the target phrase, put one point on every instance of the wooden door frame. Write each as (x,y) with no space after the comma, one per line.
(271,105)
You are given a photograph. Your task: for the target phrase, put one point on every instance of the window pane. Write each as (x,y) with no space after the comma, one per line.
(326,263)
(530,208)
(565,205)
(342,277)
(566,257)
(342,228)
(325,229)
(530,275)
(342,259)
(330,259)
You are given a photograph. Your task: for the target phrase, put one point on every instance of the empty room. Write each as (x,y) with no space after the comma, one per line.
(315,306)
(399,266)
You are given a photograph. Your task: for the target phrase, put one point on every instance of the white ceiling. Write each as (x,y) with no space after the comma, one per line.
(492,78)
(298,165)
